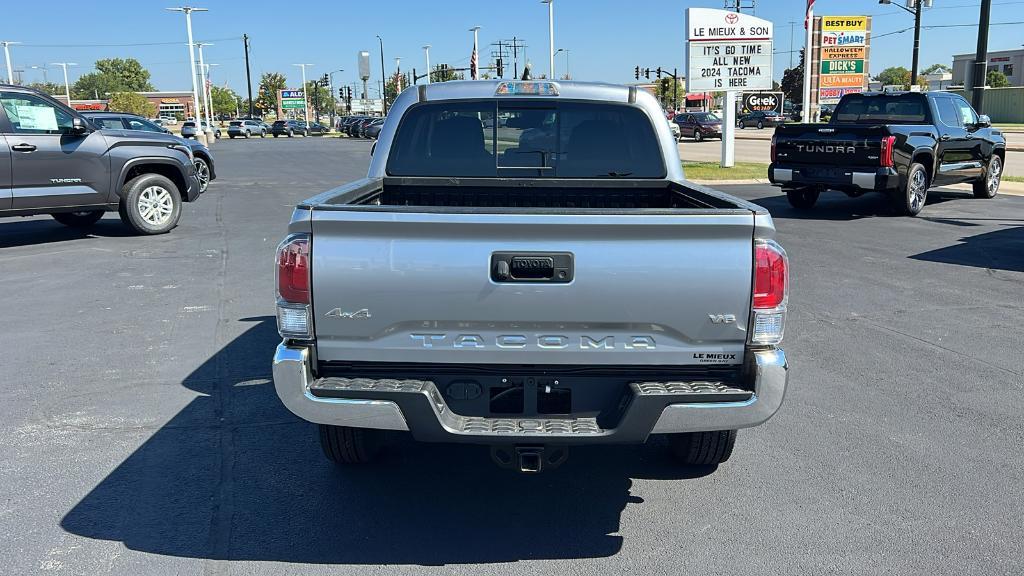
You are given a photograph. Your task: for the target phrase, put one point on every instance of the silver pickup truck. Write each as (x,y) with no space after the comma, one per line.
(526,267)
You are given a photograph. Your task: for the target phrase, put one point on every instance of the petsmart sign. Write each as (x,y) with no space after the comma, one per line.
(727,51)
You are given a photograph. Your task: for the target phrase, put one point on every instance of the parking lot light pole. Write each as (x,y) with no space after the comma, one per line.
(551,37)
(426,54)
(383,80)
(203,79)
(188,10)
(330,86)
(67,86)
(305,97)
(209,90)
(7,55)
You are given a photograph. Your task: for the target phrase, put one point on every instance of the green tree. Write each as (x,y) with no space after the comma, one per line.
(936,69)
(132,103)
(663,89)
(793,82)
(223,100)
(128,73)
(439,74)
(894,76)
(48,87)
(996,79)
(270,84)
(319,97)
(94,85)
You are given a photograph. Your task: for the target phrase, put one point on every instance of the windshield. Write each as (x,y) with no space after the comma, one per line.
(882,109)
(495,138)
(707,117)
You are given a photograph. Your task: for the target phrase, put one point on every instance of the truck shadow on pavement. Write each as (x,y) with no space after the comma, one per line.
(997,250)
(235,476)
(836,206)
(15,233)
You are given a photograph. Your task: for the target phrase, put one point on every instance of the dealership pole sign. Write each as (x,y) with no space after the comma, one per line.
(842,56)
(727,51)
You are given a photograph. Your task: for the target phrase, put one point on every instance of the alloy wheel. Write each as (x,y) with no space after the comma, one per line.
(155,205)
(995,173)
(203,173)
(918,188)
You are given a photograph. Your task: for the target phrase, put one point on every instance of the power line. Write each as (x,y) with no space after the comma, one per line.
(125,45)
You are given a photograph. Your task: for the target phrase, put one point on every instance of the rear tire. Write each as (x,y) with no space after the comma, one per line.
(344,445)
(760,125)
(698,136)
(81,219)
(703,448)
(263,133)
(150,204)
(802,198)
(988,186)
(910,198)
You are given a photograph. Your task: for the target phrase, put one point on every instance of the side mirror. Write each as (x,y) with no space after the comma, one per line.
(79,126)
(984,121)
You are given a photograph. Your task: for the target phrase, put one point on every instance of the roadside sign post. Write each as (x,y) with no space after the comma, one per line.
(727,52)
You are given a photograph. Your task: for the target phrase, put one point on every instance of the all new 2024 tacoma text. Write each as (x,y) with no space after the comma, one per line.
(525,267)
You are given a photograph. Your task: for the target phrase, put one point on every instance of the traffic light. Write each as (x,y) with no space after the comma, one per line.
(636,72)
(647,73)
(659,72)
(341,92)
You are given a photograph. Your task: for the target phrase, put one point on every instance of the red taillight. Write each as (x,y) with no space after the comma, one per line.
(773,148)
(771,275)
(293,270)
(885,158)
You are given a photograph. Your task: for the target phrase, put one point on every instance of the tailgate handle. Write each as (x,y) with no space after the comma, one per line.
(548,267)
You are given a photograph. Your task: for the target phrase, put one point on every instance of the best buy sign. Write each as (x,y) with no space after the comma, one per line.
(842,66)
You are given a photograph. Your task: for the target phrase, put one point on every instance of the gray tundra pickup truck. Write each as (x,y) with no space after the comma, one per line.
(54,161)
(526,267)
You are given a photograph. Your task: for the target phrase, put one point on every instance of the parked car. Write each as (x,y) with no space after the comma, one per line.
(59,163)
(699,125)
(760,119)
(188,129)
(288,128)
(202,158)
(362,125)
(352,127)
(897,143)
(373,130)
(318,128)
(519,343)
(169,120)
(246,128)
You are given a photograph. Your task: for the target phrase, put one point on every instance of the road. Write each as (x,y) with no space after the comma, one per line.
(140,433)
(755,146)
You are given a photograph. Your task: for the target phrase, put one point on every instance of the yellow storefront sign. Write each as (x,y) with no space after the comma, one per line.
(844,22)
(843,52)
(840,80)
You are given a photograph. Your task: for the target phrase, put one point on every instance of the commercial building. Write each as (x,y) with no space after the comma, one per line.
(1009,62)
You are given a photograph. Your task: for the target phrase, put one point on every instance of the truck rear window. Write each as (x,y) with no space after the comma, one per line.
(526,138)
(882,109)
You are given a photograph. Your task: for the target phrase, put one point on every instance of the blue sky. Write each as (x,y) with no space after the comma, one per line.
(605,38)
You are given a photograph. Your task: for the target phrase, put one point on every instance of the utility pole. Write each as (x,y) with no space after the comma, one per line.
(7,55)
(383,78)
(188,10)
(918,7)
(248,76)
(551,37)
(67,86)
(981,58)
(516,45)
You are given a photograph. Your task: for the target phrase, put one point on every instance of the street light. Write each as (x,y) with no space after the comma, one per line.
(67,87)
(188,10)
(330,86)
(44,69)
(566,50)
(203,81)
(398,75)
(7,54)
(305,97)
(426,53)
(209,88)
(383,79)
(551,37)
(914,7)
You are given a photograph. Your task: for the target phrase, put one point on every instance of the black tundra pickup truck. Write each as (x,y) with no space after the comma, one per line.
(897,143)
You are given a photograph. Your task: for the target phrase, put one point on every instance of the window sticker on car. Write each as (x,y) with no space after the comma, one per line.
(37,118)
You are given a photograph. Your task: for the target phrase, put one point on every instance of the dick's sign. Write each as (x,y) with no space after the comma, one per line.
(761,102)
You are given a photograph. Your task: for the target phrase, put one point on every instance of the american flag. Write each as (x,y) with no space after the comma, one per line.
(473,64)
(809,13)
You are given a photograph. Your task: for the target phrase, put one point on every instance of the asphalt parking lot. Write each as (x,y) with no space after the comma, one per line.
(140,433)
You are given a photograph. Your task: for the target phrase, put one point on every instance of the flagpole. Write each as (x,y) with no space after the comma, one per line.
(809,24)
(475,60)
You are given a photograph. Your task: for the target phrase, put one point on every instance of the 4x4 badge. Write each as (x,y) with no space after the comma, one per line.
(364,313)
